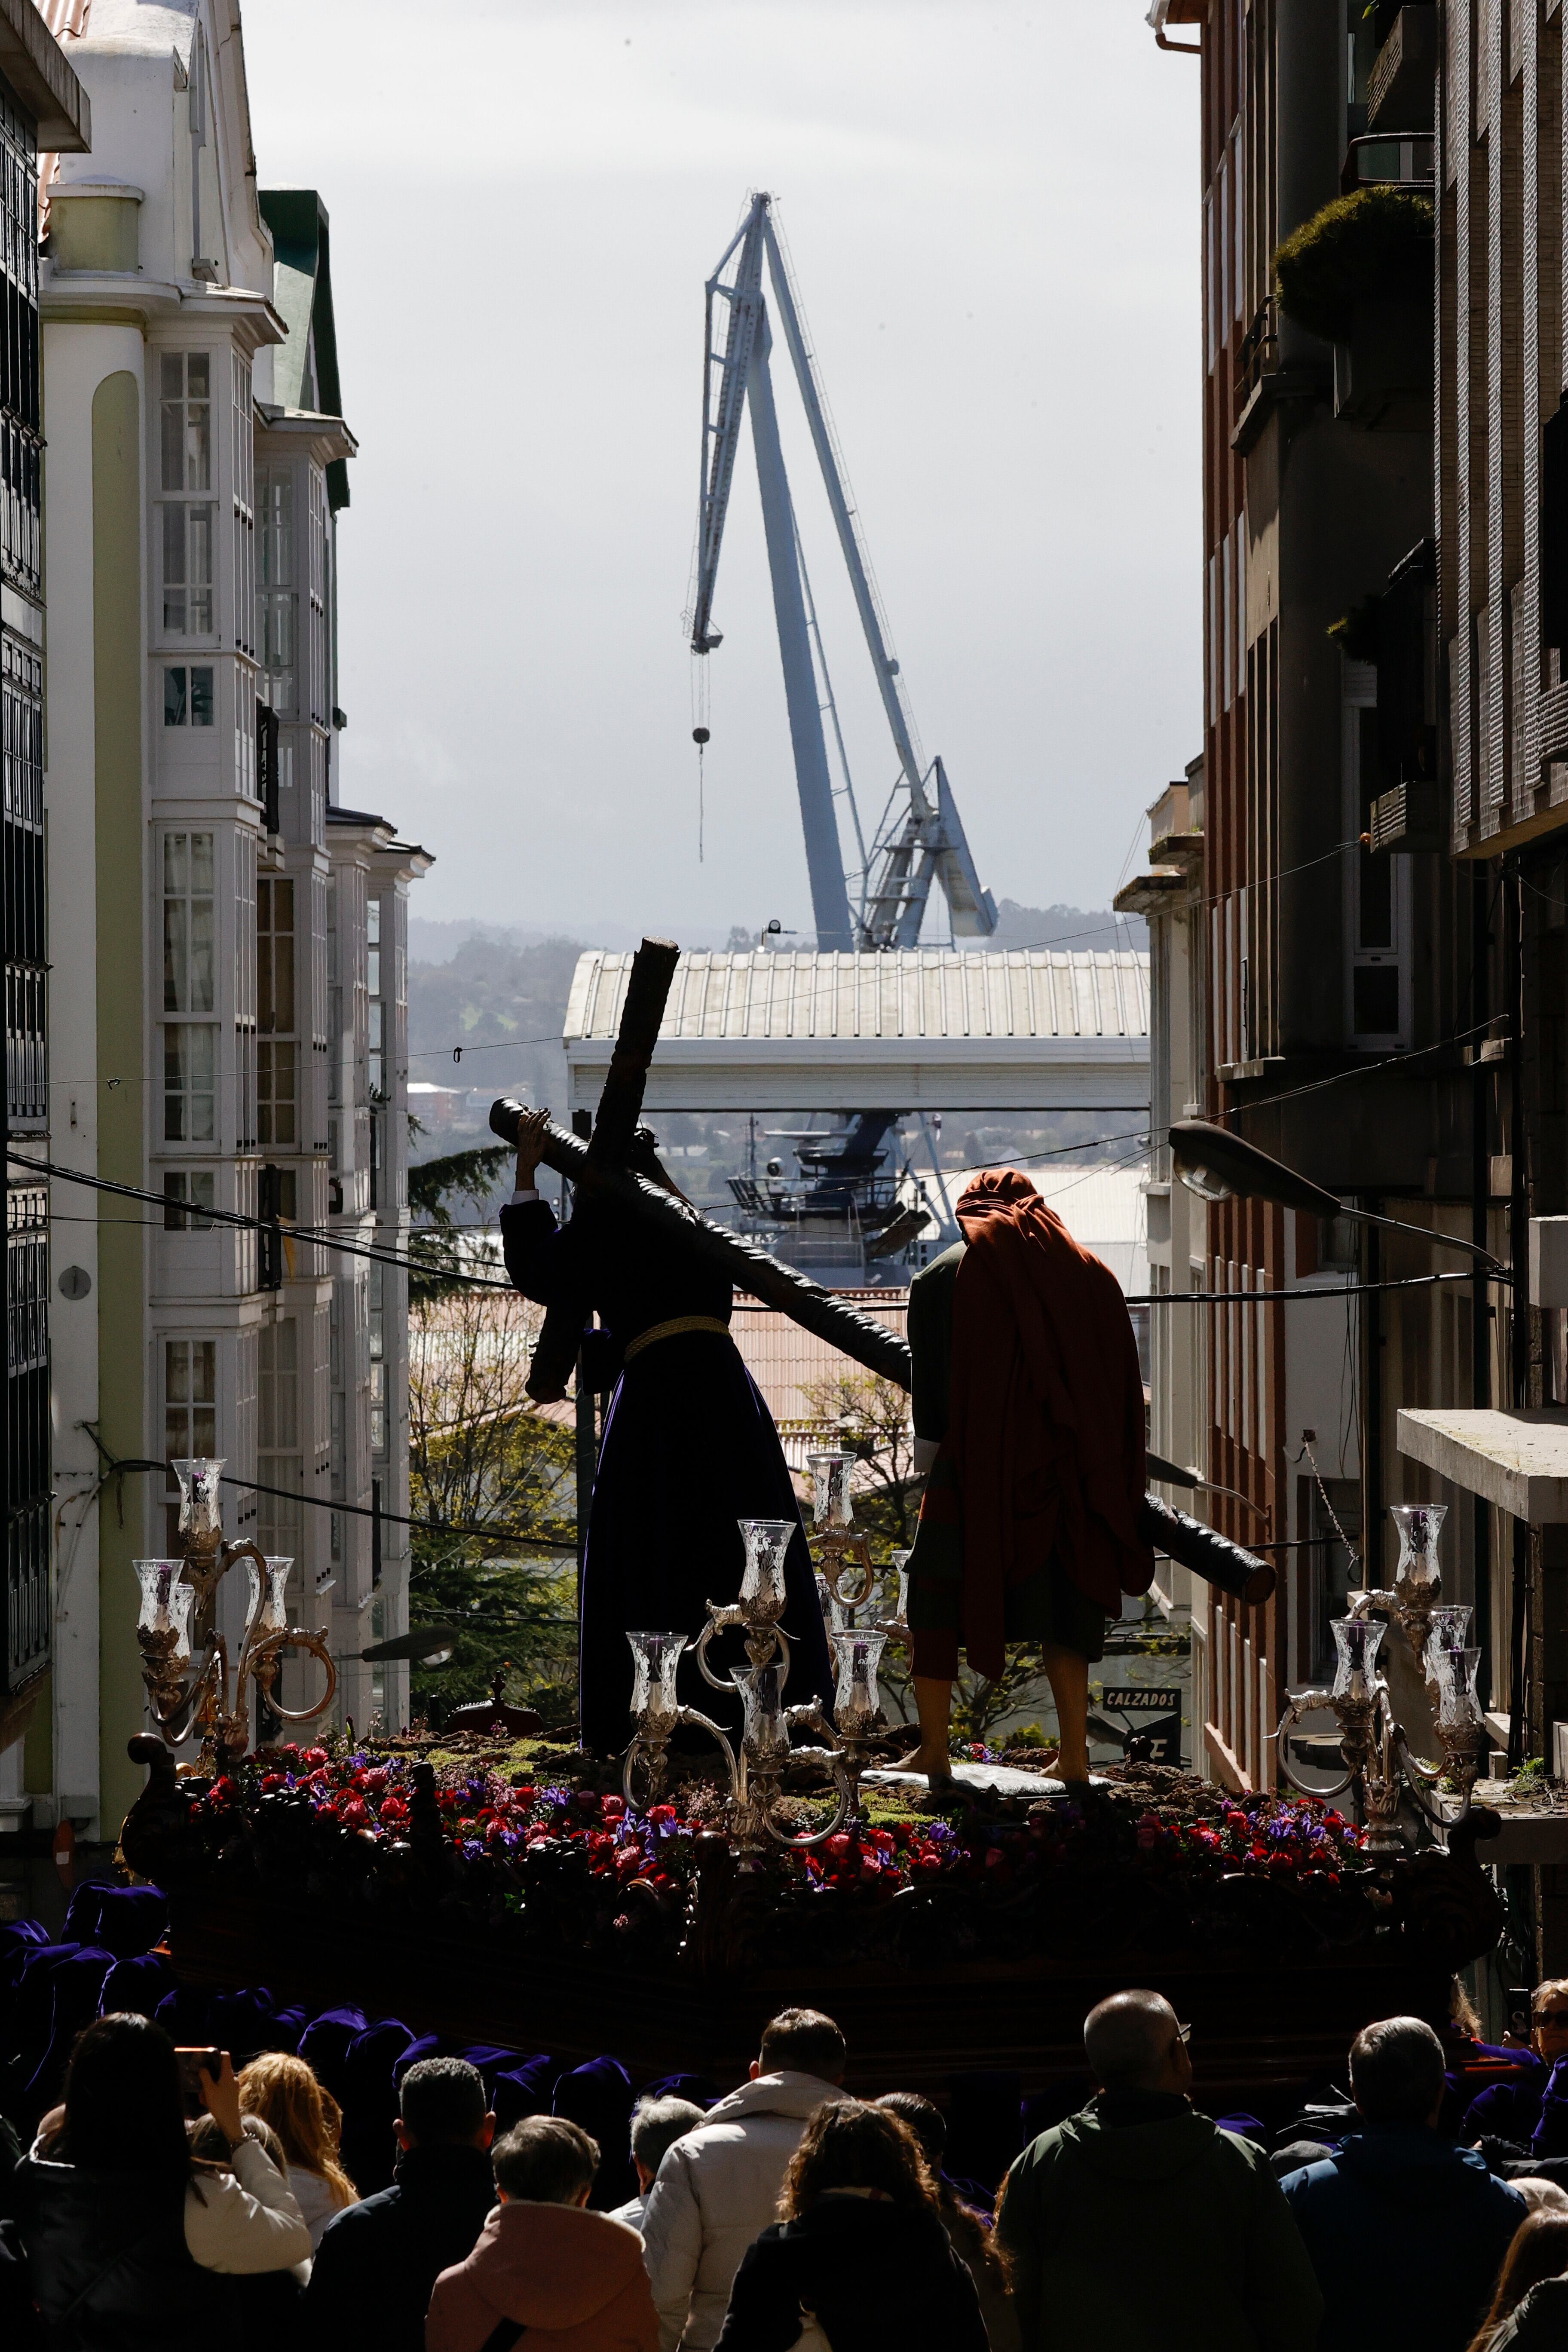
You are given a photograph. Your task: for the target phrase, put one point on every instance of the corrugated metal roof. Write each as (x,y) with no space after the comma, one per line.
(917,993)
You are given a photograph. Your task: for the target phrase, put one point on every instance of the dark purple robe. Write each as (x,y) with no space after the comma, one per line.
(690,1449)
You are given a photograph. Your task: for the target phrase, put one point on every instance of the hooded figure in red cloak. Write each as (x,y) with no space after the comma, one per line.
(1027,1383)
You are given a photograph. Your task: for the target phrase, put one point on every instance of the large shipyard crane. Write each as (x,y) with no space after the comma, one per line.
(879,900)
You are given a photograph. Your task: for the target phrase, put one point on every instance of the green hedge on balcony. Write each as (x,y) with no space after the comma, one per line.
(1375,245)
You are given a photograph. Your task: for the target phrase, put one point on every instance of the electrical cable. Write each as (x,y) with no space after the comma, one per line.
(355,1510)
(312,1235)
(1267,1298)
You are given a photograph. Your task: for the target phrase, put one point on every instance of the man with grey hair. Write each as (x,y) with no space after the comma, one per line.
(1141,2223)
(1398,2181)
(657,2125)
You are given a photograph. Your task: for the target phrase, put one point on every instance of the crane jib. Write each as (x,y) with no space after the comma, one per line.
(921,839)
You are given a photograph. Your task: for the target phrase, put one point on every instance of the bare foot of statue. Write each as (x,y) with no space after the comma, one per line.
(934,1762)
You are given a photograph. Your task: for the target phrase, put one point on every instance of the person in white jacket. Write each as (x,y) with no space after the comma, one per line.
(718,2187)
(242,2220)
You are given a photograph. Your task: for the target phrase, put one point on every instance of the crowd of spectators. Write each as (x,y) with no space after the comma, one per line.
(167,2199)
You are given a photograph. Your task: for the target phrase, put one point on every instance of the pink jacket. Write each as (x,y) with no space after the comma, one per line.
(574,2279)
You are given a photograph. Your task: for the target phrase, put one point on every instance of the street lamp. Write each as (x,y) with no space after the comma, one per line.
(425,1646)
(1219,1166)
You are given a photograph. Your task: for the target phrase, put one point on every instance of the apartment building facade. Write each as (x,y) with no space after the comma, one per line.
(1501,500)
(1335,936)
(41,101)
(215,1012)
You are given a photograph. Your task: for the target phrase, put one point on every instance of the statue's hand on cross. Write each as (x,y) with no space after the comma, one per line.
(530,1133)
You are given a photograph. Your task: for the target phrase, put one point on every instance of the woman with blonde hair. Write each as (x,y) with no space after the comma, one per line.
(284,2093)
(858,2260)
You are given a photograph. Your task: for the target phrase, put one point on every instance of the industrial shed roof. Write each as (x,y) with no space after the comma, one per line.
(1028,1028)
(908,993)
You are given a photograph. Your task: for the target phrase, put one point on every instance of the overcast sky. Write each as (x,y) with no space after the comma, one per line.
(993,213)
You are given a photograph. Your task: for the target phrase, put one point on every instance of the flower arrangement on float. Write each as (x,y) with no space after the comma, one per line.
(357,1801)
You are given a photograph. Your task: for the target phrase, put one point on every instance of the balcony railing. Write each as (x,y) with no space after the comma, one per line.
(1378,160)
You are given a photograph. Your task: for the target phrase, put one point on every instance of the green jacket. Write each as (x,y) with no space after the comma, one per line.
(1170,2236)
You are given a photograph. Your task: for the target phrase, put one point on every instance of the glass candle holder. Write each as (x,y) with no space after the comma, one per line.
(762,1719)
(655,1659)
(267,1610)
(201,1511)
(1449,1631)
(182,1600)
(856,1699)
(1357,1640)
(766,1542)
(831,1506)
(1419,1525)
(159,1579)
(901,1609)
(1455,1669)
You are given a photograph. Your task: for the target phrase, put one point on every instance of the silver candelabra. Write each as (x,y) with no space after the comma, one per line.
(766,1747)
(187,1695)
(1379,1762)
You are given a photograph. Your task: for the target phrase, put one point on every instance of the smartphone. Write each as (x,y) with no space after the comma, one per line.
(194,2065)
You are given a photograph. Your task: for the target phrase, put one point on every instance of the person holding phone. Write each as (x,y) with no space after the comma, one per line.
(126,2234)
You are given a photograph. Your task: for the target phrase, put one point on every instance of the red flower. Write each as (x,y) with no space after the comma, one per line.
(355,1814)
(393,1809)
(315,1755)
(612,1808)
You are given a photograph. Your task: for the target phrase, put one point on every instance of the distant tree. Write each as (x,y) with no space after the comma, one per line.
(741,941)
(481,1457)
(434,1186)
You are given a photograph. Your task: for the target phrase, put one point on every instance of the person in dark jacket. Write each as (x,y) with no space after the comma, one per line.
(1540,2324)
(131,2245)
(1140,2224)
(379,2260)
(1398,2180)
(1539,2250)
(860,2261)
(968,2229)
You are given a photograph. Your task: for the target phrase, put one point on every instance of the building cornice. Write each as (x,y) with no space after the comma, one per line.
(326,437)
(124,298)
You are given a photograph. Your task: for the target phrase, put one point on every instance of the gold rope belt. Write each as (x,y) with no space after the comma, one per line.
(672,1330)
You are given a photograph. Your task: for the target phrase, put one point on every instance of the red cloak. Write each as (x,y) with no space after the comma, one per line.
(1045,1427)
